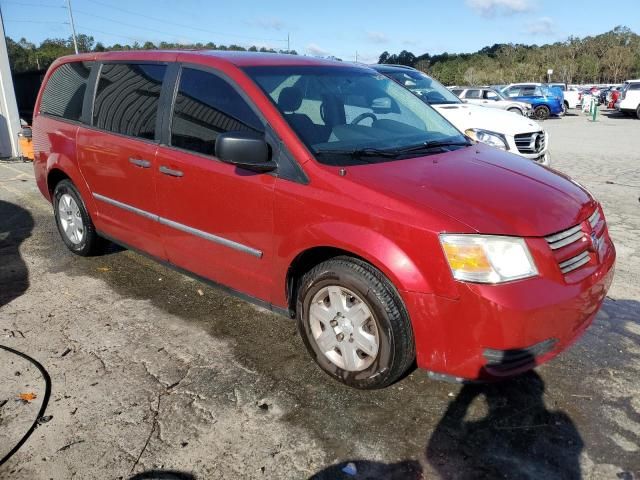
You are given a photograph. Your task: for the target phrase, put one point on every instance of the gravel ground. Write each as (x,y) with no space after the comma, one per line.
(154,375)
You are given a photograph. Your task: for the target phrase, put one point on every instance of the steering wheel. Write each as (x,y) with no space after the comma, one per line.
(363,116)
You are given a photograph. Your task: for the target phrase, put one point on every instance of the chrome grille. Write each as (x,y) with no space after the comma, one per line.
(564,238)
(533,142)
(574,262)
(567,238)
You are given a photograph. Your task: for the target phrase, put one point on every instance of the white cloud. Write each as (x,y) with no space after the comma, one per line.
(377,37)
(410,43)
(544,26)
(314,49)
(268,23)
(491,8)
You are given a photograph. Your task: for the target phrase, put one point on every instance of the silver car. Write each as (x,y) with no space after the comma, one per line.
(488,97)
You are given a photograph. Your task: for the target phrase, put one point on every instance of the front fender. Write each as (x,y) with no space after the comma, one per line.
(384,253)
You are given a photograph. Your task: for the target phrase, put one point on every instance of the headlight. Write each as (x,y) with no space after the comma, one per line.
(493,139)
(487,258)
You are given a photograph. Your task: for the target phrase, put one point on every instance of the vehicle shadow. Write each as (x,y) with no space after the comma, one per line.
(496,430)
(515,437)
(611,113)
(16,225)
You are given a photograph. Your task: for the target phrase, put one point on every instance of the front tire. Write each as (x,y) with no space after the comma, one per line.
(638,112)
(542,112)
(74,223)
(354,324)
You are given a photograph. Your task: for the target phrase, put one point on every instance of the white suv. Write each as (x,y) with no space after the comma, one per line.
(629,102)
(498,128)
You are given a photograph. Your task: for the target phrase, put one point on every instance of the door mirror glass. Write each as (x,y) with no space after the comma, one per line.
(246,150)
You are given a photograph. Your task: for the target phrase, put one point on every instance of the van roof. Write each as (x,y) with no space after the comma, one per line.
(239,59)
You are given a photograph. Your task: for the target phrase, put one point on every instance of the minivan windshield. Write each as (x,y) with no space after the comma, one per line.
(353,115)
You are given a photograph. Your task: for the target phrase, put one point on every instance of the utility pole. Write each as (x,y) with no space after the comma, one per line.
(356,56)
(288,43)
(73,26)
(9,117)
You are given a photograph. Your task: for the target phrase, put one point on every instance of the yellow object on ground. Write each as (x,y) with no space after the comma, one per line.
(26,147)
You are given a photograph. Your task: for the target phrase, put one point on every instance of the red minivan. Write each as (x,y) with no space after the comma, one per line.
(327,192)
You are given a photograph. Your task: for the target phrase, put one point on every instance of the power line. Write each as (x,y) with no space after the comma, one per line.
(124,23)
(12,20)
(39,5)
(81,28)
(191,27)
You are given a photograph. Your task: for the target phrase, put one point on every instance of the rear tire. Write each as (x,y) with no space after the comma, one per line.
(515,110)
(638,112)
(542,112)
(377,347)
(74,223)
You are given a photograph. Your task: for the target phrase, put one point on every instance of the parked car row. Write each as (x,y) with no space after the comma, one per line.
(330,193)
(488,97)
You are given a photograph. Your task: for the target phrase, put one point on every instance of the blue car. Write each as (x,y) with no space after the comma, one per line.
(545,101)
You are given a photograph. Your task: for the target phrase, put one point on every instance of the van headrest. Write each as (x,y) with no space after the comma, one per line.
(290,99)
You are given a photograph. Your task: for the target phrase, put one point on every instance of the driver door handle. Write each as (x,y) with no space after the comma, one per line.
(140,162)
(170,172)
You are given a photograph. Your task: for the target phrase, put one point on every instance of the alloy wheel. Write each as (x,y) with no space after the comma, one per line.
(344,328)
(71,219)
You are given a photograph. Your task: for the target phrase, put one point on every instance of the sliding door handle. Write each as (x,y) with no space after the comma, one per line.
(140,162)
(171,172)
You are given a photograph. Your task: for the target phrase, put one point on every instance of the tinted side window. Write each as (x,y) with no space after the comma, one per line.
(64,93)
(127,99)
(528,91)
(489,94)
(472,94)
(205,106)
(635,86)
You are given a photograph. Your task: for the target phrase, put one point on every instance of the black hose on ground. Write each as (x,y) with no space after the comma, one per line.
(43,407)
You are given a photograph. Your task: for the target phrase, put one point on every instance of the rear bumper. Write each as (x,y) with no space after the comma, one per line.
(495,331)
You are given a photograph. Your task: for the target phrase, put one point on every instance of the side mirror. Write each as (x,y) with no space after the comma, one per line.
(246,150)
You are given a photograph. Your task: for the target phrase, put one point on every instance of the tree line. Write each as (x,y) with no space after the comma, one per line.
(611,57)
(25,56)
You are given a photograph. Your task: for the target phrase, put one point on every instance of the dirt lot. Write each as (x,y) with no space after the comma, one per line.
(154,372)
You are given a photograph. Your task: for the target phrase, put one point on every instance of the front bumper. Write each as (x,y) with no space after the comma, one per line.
(513,326)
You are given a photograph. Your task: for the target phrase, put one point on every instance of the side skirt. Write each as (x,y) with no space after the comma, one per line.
(231,291)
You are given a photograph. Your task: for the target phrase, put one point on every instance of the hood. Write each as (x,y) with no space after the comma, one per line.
(465,116)
(491,191)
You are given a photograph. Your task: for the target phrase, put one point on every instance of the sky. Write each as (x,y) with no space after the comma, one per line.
(327,27)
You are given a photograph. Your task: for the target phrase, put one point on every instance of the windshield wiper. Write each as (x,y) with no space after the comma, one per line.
(431,145)
(359,152)
(393,152)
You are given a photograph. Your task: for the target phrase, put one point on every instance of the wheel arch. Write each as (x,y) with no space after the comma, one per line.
(55,176)
(382,253)
(61,168)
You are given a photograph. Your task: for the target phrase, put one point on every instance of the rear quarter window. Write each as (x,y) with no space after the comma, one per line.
(63,94)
